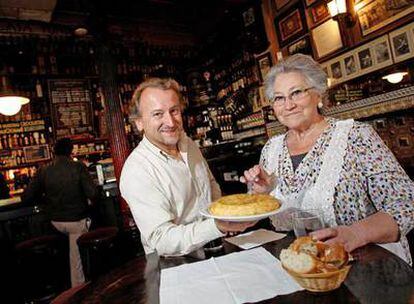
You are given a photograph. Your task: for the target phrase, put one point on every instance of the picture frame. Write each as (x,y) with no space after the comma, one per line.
(290,25)
(310,2)
(281,3)
(318,13)
(303,45)
(381,51)
(248,17)
(326,38)
(402,44)
(36,153)
(351,67)
(264,63)
(375,14)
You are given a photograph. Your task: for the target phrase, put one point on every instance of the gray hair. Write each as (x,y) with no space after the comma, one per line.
(299,63)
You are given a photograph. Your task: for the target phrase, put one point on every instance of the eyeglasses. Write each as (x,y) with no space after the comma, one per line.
(296,95)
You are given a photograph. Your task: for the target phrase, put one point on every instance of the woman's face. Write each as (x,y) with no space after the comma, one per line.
(295,101)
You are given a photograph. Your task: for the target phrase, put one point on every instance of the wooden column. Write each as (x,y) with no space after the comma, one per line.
(113,113)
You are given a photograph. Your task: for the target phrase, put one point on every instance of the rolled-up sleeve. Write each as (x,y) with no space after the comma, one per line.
(389,187)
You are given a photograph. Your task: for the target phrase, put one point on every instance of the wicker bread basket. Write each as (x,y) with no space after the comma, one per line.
(320,282)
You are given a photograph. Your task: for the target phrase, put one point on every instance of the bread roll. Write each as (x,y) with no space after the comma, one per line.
(297,261)
(306,255)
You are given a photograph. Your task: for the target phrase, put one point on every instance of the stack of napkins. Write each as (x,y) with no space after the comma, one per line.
(240,277)
(255,238)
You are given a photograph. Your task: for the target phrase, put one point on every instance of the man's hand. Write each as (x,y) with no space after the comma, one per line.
(257,180)
(233,227)
(349,236)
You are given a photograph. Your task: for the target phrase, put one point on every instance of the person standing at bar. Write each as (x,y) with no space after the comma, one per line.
(65,186)
(166,180)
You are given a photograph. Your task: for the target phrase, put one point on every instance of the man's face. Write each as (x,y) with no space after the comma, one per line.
(160,118)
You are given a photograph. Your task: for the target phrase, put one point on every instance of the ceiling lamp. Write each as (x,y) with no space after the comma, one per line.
(395,77)
(10,102)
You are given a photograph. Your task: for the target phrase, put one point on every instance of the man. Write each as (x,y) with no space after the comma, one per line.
(166,180)
(66,187)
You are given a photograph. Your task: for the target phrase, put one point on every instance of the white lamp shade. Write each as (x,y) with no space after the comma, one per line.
(11,105)
(395,77)
(336,7)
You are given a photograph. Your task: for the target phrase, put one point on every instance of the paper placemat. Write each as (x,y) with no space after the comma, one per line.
(240,277)
(255,238)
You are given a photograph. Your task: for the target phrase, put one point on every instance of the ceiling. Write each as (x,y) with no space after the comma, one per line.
(200,17)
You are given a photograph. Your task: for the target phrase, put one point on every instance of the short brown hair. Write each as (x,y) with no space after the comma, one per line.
(158,83)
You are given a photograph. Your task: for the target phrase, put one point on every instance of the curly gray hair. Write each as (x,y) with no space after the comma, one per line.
(303,64)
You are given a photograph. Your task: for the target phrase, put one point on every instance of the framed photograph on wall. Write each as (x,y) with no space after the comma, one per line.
(36,153)
(281,3)
(327,38)
(351,67)
(318,13)
(375,14)
(337,70)
(264,62)
(402,44)
(365,59)
(290,25)
(381,51)
(303,45)
(310,2)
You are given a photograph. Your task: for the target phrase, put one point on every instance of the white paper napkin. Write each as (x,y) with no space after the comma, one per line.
(240,277)
(255,238)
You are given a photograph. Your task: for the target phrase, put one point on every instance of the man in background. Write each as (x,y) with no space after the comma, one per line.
(65,187)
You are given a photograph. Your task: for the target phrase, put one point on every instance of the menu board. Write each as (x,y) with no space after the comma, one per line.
(71,108)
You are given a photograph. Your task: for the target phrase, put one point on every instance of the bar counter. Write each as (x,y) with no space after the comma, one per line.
(376,276)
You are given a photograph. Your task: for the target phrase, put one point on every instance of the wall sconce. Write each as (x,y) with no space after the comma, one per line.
(338,11)
(10,102)
(395,77)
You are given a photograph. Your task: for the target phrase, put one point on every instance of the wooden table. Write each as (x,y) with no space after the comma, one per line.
(377,276)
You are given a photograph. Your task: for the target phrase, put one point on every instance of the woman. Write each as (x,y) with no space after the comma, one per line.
(340,167)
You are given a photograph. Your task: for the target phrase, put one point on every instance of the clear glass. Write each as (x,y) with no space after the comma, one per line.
(307,221)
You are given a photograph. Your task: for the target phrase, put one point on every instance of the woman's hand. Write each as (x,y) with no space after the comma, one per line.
(345,235)
(379,227)
(257,178)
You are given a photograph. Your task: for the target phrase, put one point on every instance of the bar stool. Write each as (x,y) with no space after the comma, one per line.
(97,250)
(42,267)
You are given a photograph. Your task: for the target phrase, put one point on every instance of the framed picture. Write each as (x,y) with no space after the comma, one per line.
(365,59)
(337,70)
(375,14)
(381,51)
(402,44)
(302,45)
(281,3)
(318,13)
(248,17)
(310,2)
(327,38)
(291,25)
(264,62)
(36,153)
(351,67)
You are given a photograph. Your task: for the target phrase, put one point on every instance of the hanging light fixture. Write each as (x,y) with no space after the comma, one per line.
(395,77)
(10,102)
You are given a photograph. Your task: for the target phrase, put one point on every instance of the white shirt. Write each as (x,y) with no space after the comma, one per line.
(165,196)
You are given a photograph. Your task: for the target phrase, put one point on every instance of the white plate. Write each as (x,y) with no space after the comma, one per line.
(248,218)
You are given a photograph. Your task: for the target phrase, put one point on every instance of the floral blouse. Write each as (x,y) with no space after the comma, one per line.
(371,179)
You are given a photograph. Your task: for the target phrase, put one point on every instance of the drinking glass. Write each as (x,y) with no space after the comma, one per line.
(306,221)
